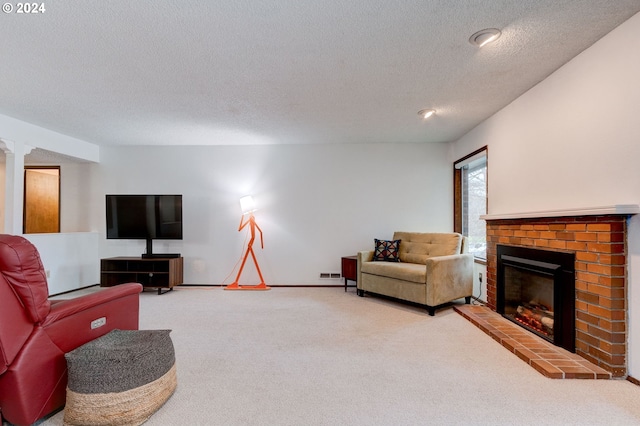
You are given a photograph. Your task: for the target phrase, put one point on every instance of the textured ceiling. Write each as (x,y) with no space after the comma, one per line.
(296,71)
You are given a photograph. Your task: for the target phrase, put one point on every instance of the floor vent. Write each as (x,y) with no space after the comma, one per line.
(330,275)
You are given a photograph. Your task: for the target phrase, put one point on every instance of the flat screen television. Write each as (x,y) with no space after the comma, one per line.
(145,217)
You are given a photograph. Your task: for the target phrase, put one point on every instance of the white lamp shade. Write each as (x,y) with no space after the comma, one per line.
(247,204)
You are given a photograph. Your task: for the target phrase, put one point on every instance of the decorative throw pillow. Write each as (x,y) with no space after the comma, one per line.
(386,251)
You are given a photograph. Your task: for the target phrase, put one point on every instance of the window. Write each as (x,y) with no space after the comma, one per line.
(470,185)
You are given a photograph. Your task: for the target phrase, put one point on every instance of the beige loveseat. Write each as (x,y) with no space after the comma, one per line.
(434,269)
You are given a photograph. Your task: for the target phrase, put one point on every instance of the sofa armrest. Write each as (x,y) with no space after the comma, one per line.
(449,278)
(363,256)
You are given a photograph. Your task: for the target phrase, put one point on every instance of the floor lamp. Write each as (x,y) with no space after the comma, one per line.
(248,207)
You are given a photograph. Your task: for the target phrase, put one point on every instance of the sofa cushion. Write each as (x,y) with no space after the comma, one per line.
(403,271)
(418,247)
(386,251)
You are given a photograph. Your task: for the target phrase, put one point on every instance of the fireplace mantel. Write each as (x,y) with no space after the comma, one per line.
(616,209)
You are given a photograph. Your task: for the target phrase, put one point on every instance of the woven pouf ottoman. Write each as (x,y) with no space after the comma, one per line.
(121,378)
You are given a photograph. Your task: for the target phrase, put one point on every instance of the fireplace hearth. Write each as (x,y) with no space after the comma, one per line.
(536,290)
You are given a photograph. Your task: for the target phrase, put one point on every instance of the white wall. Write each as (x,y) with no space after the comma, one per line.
(317,202)
(77,183)
(573,141)
(69,259)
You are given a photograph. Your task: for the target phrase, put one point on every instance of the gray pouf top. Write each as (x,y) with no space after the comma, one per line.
(120,360)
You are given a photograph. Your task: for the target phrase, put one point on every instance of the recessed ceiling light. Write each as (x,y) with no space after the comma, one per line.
(426,113)
(485,36)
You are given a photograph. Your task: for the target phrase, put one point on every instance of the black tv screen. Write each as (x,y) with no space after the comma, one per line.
(144,217)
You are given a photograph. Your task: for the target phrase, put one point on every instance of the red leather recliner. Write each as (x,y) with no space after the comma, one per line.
(35,332)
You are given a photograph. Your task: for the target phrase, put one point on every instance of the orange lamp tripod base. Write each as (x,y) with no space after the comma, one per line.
(236,286)
(262,285)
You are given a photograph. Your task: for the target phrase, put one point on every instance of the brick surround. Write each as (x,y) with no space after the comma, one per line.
(599,244)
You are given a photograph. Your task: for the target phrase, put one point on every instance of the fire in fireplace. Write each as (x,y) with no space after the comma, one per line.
(536,290)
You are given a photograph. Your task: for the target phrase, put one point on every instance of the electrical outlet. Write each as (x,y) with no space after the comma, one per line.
(480,276)
(47,273)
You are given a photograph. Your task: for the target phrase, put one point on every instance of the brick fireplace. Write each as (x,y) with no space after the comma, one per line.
(599,244)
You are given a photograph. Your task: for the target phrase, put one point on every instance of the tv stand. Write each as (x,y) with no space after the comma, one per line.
(160,255)
(159,273)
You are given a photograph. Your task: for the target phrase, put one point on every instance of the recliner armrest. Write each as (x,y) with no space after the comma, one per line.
(65,308)
(74,322)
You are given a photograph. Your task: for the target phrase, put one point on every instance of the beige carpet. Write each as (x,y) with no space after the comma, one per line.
(320,356)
